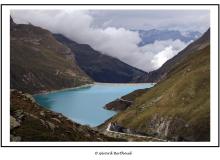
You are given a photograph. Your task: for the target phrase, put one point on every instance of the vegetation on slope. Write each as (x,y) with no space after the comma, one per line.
(40,63)
(178,107)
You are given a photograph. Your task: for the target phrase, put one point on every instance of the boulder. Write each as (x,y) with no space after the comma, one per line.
(29,97)
(51,125)
(55,119)
(15,138)
(19,114)
(42,113)
(13,123)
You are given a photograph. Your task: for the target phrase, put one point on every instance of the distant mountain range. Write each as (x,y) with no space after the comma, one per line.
(150,36)
(162,72)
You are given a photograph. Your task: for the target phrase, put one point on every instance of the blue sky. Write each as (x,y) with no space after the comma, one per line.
(183,20)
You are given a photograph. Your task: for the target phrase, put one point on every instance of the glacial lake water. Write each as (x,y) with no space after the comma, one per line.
(85,105)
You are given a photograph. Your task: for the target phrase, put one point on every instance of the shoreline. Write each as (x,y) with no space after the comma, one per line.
(85,86)
(122,83)
(88,85)
(64,89)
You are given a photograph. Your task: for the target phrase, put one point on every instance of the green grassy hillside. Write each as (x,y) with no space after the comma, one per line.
(178,107)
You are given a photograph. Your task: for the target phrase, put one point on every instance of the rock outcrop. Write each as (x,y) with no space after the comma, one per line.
(125,101)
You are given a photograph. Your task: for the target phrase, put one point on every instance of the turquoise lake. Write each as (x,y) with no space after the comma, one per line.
(85,105)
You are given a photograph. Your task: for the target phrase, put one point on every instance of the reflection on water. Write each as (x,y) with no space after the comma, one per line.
(85,105)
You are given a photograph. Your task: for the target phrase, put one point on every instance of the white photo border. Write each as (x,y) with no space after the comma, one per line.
(5,74)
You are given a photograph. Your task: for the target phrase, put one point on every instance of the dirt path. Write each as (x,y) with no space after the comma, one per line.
(133,135)
(124,100)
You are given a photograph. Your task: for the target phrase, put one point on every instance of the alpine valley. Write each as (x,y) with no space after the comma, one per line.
(171,103)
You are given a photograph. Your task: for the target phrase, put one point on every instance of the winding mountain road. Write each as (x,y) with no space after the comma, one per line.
(124,100)
(134,135)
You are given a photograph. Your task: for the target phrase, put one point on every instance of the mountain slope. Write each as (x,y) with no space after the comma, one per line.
(159,74)
(40,63)
(119,105)
(100,67)
(178,107)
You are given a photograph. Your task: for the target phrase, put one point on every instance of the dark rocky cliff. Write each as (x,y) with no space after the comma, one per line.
(101,67)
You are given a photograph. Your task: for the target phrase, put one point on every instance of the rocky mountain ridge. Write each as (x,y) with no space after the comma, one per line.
(152,35)
(101,67)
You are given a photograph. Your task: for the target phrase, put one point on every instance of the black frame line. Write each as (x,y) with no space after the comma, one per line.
(114,146)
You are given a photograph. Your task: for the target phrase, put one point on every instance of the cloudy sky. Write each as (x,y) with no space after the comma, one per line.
(109,31)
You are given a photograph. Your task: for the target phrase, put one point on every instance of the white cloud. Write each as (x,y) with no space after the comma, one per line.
(160,51)
(162,56)
(117,42)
